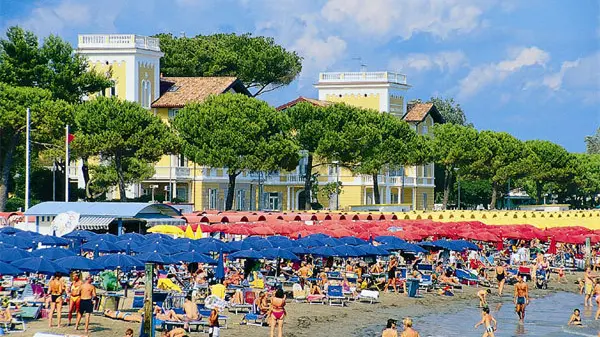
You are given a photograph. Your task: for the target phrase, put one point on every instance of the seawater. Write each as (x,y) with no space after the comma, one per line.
(546,316)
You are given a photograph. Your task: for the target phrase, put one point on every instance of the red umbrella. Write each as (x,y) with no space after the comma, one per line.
(263,230)
(552,248)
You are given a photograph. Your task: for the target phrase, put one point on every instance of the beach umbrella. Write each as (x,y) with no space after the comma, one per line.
(350,240)
(10,230)
(167,229)
(370,250)
(325,251)
(53,253)
(404,246)
(79,263)
(127,245)
(348,251)
(107,237)
(388,239)
(132,237)
(80,235)
(281,241)
(7,269)
(49,240)
(120,261)
(13,254)
(39,265)
(300,250)
(154,257)
(464,244)
(246,254)
(309,242)
(262,230)
(17,242)
(158,248)
(155,236)
(193,256)
(220,271)
(186,246)
(102,246)
(213,247)
(279,253)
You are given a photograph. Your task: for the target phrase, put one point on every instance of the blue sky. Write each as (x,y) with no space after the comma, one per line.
(529,67)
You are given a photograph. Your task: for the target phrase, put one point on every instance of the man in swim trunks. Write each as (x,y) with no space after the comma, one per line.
(588,279)
(74,296)
(56,288)
(490,323)
(521,298)
(86,305)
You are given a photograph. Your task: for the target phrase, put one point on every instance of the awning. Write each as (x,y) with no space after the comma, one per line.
(159,219)
(94,222)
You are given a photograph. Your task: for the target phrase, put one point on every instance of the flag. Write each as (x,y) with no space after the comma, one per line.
(70,138)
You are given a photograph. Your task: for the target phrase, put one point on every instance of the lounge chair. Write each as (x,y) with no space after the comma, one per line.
(298,293)
(426,282)
(467,277)
(249,297)
(335,296)
(369,296)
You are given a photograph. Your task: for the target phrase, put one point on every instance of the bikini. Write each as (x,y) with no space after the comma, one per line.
(278,314)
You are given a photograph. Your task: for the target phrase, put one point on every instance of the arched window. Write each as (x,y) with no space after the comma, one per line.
(149,94)
(145,99)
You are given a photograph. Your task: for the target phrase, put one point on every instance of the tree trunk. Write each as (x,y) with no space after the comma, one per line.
(538,191)
(494,193)
(85,169)
(231,191)
(6,166)
(447,181)
(376,189)
(119,168)
(308,182)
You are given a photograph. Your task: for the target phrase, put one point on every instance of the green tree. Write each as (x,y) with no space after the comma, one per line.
(550,163)
(54,66)
(48,119)
(453,147)
(450,110)
(593,143)
(587,179)
(499,157)
(126,137)
(260,63)
(236,132)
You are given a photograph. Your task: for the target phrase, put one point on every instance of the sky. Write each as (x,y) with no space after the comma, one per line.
(528,67)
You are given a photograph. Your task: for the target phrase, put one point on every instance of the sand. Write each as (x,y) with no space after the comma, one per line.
(356,319)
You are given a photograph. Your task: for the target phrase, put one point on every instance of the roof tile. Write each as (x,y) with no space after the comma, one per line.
(175,92)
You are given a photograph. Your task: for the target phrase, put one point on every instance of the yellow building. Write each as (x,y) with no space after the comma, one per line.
(133,63)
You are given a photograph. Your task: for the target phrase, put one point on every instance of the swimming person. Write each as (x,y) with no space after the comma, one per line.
(500,277)
(74,296)
(490,323)
(521,298)
(408,328)
(482,294)
(575,318)
(86,306)
(277,312)
(390,329)
(56,288)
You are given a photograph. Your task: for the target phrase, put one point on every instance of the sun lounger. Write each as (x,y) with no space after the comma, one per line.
(298,293)
(335,296)
(316,299)
(255,319)
(369,296)
(426,281)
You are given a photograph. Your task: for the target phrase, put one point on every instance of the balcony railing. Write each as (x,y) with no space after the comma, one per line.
(370,76)
(166,172)
(117,41)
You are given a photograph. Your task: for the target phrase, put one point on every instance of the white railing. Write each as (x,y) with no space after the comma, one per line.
(73,171)
(91,41)
(171,172)
(370,76)
(294,178)
(182,172)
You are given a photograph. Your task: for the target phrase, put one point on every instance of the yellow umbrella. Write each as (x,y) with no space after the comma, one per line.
(166,229)
(198,232)
(189,233)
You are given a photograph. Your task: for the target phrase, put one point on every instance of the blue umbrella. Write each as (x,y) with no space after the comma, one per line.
(193,256)
(318,236)
(186,246)
(53,253)
(159,248)
(324,251)
(155,236)
(79,263)
(438,244)
(220,271)
(213,247)
(246,254)
(234,246)
(300,250)
(101,246)
(279,253)
(7,269)
(48,240)
(80,235)
(464,244)
(13,254)
(370,250)
(127,245)
(154,257)
(121,261)
(348,251)
(309,242)
(10,230)
(39,265)
(389,239)
(18,242)
(132,236)
(350,240)
(281,241)
(107,237)
(332,242)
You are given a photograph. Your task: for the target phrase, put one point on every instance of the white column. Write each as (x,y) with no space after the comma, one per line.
(288,201)
(414,198)
(174,190)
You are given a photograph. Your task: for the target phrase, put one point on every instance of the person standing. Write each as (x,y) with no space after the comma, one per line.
(86,304)
(500,277)
(390,329)
(391,271)
(74,296)
(213,323)
(490,323)
(277,312)
(521,298)
(408,328)
(56,288)
(588,279)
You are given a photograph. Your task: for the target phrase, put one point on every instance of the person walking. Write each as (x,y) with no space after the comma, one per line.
(521,298)
(391,271)
(490,323)
(277,313)
(86,305)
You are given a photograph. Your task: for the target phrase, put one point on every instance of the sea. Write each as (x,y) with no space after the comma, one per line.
(546,316)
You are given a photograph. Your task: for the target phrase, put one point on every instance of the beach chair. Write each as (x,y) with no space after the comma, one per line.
(426,282)
(467,277)
(249,297)
(369,296)
(298,293)
(316,299)
(335,296)
(254,317)
(424,268)
(525,272)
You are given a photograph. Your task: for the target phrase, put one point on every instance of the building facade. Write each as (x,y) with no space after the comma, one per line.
(133,63)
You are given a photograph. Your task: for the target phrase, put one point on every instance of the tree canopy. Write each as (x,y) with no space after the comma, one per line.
(550,163)
(238,133)
(593,143)
(260,63)
(127,138)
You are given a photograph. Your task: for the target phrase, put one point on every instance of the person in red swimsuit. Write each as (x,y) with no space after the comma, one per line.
(277,313)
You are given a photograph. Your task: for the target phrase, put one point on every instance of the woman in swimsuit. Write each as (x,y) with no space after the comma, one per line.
(576,318)
(277,313)
(55,288)
(75,296)
(501,278)
(391,270)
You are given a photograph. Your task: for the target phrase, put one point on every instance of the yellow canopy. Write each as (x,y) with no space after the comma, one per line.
(166,229)
(189,233)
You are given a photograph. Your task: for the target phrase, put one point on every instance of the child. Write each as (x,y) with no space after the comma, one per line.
(213,323)
(490,323)
(575,318)
(482,294)
(129,332)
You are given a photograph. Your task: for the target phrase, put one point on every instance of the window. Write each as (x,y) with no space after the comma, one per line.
(149,93)
(426,172)
(146,97)
(302,166)
(182,193)
(334,170)
(240,200)
(397,172)
(173,113)
(181,161)
(213,198)
(424,201)
(273,201)
(424,129)
(174,88)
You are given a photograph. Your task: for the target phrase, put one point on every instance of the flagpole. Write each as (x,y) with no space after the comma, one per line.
(67,163)
(27,129)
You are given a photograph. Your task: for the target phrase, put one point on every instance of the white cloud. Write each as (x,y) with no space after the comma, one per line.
(404,18)
(443,61)
(554,81)
(318,53)
(484,75)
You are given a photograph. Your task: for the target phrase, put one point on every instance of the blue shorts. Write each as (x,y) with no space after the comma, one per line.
(520,300)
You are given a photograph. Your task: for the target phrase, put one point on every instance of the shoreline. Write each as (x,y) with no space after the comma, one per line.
(304,320)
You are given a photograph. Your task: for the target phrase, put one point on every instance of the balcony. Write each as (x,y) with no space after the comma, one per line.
(166,172)
(370,76)
(117,41)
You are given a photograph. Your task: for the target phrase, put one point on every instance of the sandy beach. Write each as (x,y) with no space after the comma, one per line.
(356,319)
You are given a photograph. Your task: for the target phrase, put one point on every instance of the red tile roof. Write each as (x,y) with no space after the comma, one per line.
(416,112)
(301,99)
(175,92)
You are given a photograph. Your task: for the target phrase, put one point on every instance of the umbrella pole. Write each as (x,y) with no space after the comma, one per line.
(148,294)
